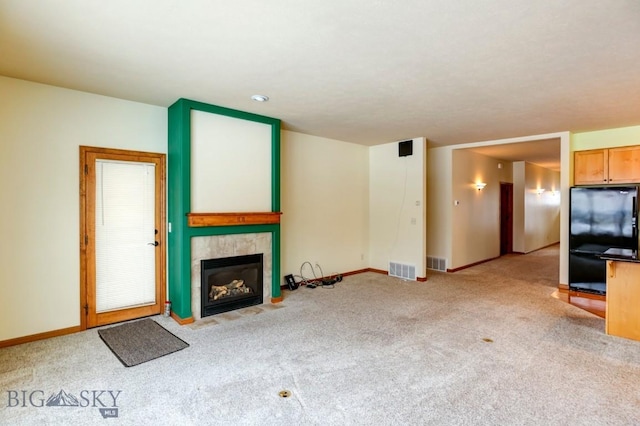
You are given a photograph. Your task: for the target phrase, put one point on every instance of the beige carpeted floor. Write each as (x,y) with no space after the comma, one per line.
(486,345)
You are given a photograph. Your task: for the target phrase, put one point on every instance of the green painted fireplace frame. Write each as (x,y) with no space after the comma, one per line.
(179,199)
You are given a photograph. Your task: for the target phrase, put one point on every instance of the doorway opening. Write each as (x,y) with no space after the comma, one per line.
(506,218)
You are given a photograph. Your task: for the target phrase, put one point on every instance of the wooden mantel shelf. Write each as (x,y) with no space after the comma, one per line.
(232,219)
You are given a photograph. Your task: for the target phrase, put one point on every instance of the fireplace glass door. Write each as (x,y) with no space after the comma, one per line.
(231,283)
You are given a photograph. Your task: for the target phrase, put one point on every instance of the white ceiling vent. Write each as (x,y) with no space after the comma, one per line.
(402,270)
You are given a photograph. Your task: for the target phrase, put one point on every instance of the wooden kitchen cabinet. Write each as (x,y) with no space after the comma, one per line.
(623,299)
(591,167)
(607,166)
(624,164)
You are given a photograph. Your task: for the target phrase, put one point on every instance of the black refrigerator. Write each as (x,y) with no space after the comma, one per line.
(600,218)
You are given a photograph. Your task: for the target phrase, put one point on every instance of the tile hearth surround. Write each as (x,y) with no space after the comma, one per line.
(217,246)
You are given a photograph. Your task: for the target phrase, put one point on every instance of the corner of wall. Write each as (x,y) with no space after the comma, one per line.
(397,190)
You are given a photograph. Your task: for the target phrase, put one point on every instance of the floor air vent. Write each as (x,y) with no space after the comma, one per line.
(402,270)
(437,263)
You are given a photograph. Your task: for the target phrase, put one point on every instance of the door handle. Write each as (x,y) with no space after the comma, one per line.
(155,243)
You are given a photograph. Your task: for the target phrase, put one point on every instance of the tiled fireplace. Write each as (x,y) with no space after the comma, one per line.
(226,246)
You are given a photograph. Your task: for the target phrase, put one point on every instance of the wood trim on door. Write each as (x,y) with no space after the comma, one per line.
(88,155)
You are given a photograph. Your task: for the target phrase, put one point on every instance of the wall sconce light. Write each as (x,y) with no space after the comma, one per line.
(540,191)
(480,186)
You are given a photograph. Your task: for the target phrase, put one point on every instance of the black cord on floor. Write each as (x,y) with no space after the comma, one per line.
(317,281)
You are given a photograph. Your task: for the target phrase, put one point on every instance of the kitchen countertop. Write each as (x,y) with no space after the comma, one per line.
(622,255)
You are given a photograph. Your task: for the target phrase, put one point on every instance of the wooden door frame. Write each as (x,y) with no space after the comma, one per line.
(87,229)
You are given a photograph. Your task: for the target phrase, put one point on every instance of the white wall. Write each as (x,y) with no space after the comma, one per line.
(468,232)
(505,171)
(439,202)
(397,215)
(518,214)
(325,202)
(538,214)
(476,219)
(41,128)
(230,164)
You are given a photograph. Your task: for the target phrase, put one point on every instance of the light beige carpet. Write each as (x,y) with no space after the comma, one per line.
(484,346)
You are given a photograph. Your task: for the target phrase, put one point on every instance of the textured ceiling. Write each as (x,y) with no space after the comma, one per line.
(362,71)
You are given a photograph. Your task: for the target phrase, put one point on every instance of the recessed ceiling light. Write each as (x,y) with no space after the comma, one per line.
(260,98)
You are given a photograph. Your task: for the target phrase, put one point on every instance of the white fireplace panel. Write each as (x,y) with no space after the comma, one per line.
(230,164)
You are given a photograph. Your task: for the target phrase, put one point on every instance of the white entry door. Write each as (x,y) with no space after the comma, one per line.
(125,235)
(123,261)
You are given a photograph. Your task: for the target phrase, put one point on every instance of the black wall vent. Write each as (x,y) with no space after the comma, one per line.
(405,148)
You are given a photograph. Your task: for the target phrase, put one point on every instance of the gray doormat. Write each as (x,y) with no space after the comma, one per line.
(140,341)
